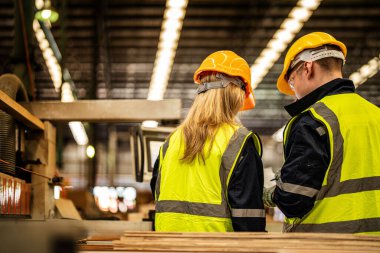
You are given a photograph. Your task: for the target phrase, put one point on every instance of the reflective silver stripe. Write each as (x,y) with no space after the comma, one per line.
(334,173)
(202,209)
(297,189)
(335,187)
(229,156)
(321,130)
(158,181)
(352,186)
(158,184)
(165,148)
(354,226)
(252,213)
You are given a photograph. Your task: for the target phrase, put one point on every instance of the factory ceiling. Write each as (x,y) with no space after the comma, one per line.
(109,47)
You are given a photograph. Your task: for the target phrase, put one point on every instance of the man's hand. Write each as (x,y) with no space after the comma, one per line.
(267,196)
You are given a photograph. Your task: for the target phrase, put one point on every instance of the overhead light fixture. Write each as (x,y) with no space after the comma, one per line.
(46,12)
(55,71)
(281,38)
(167,46)
(76,127)
(170,32)
(90,151)
(51,60)
(150,123)
(79,133)
(366,71)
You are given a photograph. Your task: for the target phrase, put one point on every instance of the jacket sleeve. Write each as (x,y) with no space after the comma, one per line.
(245,191)
(306,161)
(153,181)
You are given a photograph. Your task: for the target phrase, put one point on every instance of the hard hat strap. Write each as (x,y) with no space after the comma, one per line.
(315,54)
(223,82)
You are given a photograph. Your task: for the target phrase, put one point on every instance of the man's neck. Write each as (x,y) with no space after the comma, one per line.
(326,77)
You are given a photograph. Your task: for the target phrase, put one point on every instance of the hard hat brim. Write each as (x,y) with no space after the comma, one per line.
(249,103)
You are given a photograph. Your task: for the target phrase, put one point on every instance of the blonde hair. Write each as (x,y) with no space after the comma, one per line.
(210,110)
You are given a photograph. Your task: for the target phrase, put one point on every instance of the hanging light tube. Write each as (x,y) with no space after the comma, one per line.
(51,60)
(170,32)
(366,71)
(76,127)
(55,71)
(282,37)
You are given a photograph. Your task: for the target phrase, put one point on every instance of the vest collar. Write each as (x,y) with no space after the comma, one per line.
(335,86)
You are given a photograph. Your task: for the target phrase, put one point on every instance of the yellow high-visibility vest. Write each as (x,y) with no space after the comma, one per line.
(349,200)
(193,197)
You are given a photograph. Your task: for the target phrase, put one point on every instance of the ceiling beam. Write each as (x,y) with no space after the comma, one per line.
(134,110)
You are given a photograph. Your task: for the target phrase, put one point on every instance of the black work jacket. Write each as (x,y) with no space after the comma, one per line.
(245,189)
(307,152)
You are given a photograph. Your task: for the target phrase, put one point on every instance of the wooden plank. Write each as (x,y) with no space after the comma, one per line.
(133,110)
(41,145)
(21,114)
(146,234)
(245,242)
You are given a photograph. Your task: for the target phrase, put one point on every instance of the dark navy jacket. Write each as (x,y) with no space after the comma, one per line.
(307,151)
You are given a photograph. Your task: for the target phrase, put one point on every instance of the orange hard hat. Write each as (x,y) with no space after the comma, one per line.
(233,65)
(308,41)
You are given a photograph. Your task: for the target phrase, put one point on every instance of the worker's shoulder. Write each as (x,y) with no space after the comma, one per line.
(306,120)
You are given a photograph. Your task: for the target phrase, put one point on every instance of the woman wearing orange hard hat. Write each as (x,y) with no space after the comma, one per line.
(329,182)
(209,174)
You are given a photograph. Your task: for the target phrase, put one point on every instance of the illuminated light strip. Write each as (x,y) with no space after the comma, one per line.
(76,127)
(282,37)
(170,32)
(52,64)
(366,71)
(55,71)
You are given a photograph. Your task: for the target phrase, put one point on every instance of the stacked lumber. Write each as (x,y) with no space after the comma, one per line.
(96,243)
(245,242)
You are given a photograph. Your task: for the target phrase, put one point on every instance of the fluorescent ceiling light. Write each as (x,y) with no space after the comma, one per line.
(55,72)
(170,32)
(300,14)
(366,71)
(51,61)
(281,38)
(309,4)
(77,129)
(90,151)
(150,123)
(167,46)
(277,45)
(292,25)
(176,3)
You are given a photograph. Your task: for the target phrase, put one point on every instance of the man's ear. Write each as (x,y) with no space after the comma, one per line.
(309,69)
